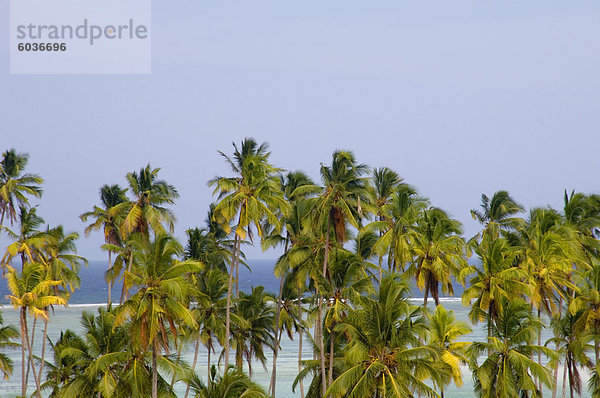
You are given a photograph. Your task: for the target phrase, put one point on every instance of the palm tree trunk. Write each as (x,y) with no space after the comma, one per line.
(277,341)
(29,350)
(320,313)
(2,217)
(123,290)
(109,283)
(154,370)
(331,355)
(228,307)
(208,363)
(23,348)
(319,335)
(29,365)
(300,343)
(564,385)
(196,349)
(570,380)
(560,305)
(43,348)
(539,353)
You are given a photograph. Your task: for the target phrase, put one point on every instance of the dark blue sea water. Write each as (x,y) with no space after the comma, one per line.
(94,290)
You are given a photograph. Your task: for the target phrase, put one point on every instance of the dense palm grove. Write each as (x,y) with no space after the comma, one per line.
(351,246)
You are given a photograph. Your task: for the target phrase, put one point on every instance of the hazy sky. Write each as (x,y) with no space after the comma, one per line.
(460,97)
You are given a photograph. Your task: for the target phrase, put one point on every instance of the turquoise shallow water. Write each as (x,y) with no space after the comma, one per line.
(287,368)
(93,291)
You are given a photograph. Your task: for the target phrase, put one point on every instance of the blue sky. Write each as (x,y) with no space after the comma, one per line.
(461,98)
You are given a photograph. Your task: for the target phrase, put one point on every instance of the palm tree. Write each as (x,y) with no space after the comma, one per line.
(550,250)
(399,227)
(342,199)
(28,240)
(252,328)
(252,196)
(348,281)
(444,330)
(162,296)
(209,310)
(8,335)
(384,353)
(16,185)
(30,291)
(509,369)
(89,366)
(497,279)
(439,253)
(385,182)
(497,214)
(105,217)
(292,223)
(572,345)
(233,384)
(146,209)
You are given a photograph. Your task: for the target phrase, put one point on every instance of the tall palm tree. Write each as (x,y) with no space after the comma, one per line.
(444,330)
(146,210)
(252,196)
(348,282)
(384,354)
(497,279)
(385,182)
(572,345)
(28,239)
(162,296)
(209,310)
(16,185)
(8,336)
(343,200)
(291,226)
(550,250)
(439,253)
(30,291)
(497,214)
(252,328)
(399,227)
(509,369)
(106,218)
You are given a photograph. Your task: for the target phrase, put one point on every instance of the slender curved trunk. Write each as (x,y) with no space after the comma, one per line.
(196,349)
(208,363)
(331,355)
(29,363)
(570,380)
(109,283)
(426,294)
(29,350)
(300,344)
(319,327)
(45,337)
(278,341)
(154,369)
(123,290)
(539,353)
(23,348)
(228,307)
(2,218)
(320,313)
(564,385)
(554,391)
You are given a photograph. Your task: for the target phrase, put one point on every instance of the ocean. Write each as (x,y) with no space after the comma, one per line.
(93,294)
